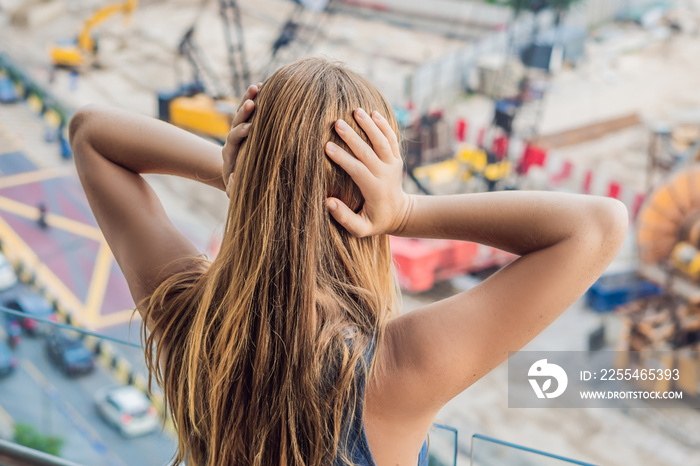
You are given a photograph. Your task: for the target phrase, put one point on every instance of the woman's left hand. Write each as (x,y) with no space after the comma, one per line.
(239,130)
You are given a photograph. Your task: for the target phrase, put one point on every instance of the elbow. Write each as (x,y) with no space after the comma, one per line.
(608,220)
(78,127)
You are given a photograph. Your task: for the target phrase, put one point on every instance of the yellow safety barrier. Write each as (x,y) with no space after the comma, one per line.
(34,103)
(52,118)
(439,173)
(475,157)
(469,161)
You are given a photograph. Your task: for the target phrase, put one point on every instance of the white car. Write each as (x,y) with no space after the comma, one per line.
(8,277)
(127,409)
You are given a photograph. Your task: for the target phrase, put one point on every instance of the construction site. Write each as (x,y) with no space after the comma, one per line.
(594,97)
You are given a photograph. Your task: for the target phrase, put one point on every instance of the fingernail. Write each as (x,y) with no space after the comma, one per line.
(332,205)
(247,125)
(332,147)
(376,114)
(361,113)
(342,125)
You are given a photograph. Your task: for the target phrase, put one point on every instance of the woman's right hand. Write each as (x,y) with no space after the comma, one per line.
(377,171)
(240,127)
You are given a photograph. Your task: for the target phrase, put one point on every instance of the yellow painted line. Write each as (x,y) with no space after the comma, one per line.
(98,282)
(116,318)
(35,175)
(34,373)
(54,220)
(5,418)
(10,148)
(15,143)
(19,250)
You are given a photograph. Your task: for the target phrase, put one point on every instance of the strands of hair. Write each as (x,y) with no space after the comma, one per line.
(258,351)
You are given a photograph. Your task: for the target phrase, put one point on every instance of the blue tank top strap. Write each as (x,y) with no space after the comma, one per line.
(423,455)
(360,453)
(357,443)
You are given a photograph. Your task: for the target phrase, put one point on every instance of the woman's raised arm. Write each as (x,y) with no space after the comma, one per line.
(566,241)
(112,148)
(143,144)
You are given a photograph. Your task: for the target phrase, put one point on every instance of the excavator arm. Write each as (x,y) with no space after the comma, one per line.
(77,53)
(85,40)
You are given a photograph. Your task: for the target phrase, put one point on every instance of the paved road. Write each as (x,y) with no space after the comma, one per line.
(40,394)
(80,268)
(37,393)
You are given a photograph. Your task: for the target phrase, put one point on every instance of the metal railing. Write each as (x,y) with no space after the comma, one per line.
(13,454)
(488,451)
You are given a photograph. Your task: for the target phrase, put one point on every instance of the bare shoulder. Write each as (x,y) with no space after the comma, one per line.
(432,354)
(395,432)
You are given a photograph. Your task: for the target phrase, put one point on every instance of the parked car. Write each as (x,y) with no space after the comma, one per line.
(127,409)
(69,353)
(13,329)
(8,277)
(36,305)
(8,361)
(8,91)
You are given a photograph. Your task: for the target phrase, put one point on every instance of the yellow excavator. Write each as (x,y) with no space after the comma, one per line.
(82,51)
(204,104)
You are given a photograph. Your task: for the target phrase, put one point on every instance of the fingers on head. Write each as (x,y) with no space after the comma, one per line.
(360,149)
(357,170)
(379,141)
(245,110)
(388,132)
(236,135)
(251,91)
(348,219)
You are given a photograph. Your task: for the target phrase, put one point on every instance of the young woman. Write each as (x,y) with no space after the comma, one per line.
(288,348)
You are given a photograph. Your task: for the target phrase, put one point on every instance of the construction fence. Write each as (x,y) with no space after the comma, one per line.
(437,83)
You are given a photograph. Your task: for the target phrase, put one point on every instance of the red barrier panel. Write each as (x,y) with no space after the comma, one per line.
(533,155)
(461,130)
(500,147)
(587,181)
(636,205)
(565,173)
(480,137)
(614,189)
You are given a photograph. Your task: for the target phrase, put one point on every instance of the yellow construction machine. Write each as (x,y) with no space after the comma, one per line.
(82,51)
(203,105)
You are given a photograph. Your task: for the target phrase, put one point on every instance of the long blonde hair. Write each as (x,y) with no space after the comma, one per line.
(259,348)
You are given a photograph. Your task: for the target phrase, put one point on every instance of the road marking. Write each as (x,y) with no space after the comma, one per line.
(35,175)
(114,318)
(70,413)
(54,220)
(14,144)
(20,250)
(5,417)
(7,424)
(98,283)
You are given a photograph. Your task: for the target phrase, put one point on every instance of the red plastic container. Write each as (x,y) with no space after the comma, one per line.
(422,262)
